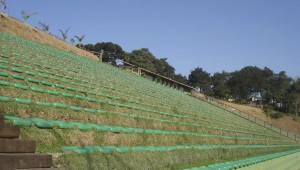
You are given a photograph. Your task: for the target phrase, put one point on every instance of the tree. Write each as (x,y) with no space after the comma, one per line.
(249,80)
(3,4)
(112,51)
(162,67)
(294,97)
(200,78)
(277,92)
(72,40)
(180,78)
(64,33)
(142,58)
(79,38)
(45,27)
(26,16)
(219,84)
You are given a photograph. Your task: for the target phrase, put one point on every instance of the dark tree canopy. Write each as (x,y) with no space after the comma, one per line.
(219,84)
(142,58)
(111,51)
(200,78)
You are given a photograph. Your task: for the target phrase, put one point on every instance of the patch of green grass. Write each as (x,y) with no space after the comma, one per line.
(297,119)
(273,113)
(48,140)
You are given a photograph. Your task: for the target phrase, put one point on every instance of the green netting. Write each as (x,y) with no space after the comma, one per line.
(21,86)
(42,123)
(18,77)
(3,67)
(19,121)
(125,149)
(33,80)
(37,89)
(3,74)
(4,61)
(30,73)
(5,99)
(4,83)
(23,101)
(17,70)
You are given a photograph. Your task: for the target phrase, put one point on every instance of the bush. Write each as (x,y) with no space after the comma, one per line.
(269,110)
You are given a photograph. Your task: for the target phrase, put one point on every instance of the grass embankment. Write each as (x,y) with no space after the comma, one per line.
(38,81)
(286,121)
(15,27)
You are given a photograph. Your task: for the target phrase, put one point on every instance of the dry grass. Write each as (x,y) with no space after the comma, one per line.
(285,122)
(16,27)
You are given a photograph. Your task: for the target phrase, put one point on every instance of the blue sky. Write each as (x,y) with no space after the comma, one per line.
(216,35)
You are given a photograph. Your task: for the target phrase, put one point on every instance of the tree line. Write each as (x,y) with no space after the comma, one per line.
(274,91)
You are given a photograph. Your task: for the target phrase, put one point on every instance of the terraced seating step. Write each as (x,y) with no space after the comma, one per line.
(10,161)
(42,169)
(7,131)
(17,146)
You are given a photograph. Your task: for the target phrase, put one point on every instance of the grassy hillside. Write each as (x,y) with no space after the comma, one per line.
(13,26)
(285,122)
(92,115)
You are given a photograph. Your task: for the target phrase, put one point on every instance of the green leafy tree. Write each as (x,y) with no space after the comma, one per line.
(142,58)
(277,91)
(112,51)
(248,80)
(294,97)
(162,67)
(219,85)
(201,79)
(180,78)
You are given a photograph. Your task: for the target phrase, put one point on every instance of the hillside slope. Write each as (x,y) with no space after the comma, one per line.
(16,27)
(285,122)
(91,115)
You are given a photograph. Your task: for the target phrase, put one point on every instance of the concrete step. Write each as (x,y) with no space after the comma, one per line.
(16,146)
(7,131)
(24,161)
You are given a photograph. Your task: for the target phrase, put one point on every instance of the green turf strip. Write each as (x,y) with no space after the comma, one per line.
(43,123)
(111,149)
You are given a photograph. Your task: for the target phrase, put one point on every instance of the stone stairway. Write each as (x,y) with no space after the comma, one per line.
(20,154)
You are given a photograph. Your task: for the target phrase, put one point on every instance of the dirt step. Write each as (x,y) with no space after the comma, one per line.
(24,161)
(16,146)
(7,131)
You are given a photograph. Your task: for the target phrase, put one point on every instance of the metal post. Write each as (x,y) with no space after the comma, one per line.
(280,130)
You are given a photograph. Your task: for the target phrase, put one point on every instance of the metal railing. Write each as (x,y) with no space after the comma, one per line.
(249,117)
